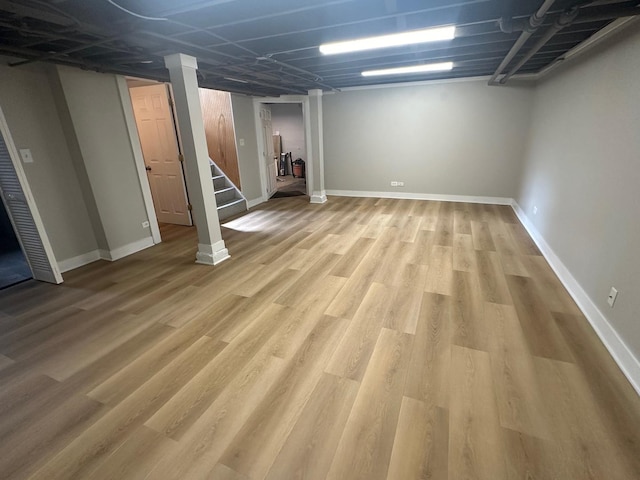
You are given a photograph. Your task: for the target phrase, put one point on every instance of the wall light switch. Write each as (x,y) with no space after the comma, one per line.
(25,153)
(242,142)
(611,299)
(401,184)
(145,224)
(535,210)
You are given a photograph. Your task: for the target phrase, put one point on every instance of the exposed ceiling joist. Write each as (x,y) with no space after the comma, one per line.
(271,48)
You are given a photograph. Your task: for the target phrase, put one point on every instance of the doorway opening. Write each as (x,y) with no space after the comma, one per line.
(161,150)
(159,134)
(289,145)
(13,264)
(291,125)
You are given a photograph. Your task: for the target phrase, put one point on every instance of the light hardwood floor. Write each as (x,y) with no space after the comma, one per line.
(359,339)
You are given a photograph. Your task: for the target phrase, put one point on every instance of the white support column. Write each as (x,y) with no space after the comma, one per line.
(318,193)
(182,71)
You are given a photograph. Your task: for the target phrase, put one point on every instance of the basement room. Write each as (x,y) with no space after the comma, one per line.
(319,239)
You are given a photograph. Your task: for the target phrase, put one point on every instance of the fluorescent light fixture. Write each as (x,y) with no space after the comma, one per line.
(430,67)
(393,40)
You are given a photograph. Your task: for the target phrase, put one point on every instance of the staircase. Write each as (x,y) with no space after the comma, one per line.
(229,199)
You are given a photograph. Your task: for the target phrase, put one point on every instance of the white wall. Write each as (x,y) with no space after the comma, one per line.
(248,157)
(287,121)
(460,138)
(29,106)
(582,171)
(96,111)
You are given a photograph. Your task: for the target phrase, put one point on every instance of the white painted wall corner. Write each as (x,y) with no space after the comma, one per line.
(79,261)
(255,201)
(126,250)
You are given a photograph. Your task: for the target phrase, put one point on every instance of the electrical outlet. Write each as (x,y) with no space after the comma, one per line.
(145,224)
(535,210)
(241,142)
(394,184)
(611,299)
(401,184)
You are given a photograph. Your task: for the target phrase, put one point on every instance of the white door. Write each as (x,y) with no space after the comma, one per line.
(25,218)
(267,150)
(159,144)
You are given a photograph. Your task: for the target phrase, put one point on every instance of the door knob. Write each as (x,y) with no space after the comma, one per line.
(147,168)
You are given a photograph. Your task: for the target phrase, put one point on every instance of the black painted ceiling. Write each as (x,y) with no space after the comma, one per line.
(272,45)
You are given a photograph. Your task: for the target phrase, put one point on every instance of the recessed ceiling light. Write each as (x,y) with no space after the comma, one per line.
(430,67)
(393,40)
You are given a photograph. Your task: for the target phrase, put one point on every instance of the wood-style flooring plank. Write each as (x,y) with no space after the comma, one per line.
(361,338)
(475,436)
(429,366)
(518,393)
(421,443)
(256,445)
(540,329)
(366,444)
(92,446)
(492,279)
(352,354)
(311,445)
(440,273)
(481,233)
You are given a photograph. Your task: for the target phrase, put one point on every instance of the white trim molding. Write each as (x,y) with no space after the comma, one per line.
(212,254)
(255,201)
(101,254)
(622,355)
(422,196)
(304,101)
(126,250)
(136,149)
(318,197)
(79,261)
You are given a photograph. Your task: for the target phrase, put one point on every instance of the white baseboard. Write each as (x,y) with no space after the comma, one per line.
(318,197)
(101,254)
(212,254)
(125,250)
(422,196)
(625,359)
(78,261)
(255,201)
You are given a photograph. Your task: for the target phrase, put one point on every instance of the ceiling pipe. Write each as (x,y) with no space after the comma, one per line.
(564,20)
(534,23)
(519,24)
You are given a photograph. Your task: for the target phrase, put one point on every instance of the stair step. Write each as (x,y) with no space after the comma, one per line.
(229,203)
(232,209)
(219,181)
(226,194)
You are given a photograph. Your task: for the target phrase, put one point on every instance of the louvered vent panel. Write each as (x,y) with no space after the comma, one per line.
(21,215)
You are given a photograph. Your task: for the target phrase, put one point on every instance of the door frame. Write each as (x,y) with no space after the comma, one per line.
(304,101)
(136,146)
(35,214)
